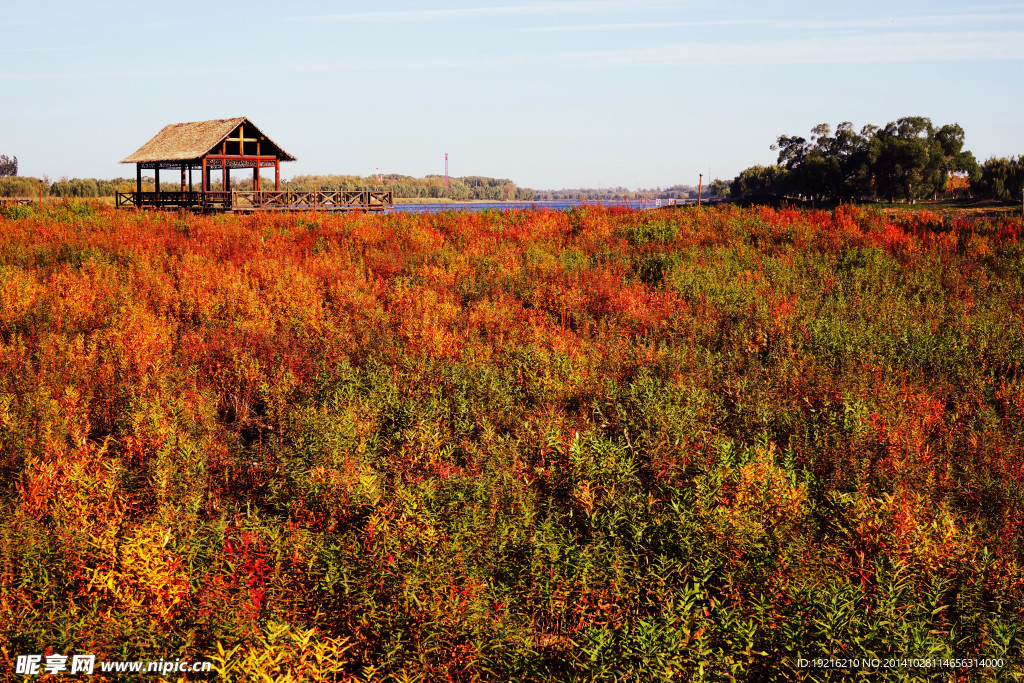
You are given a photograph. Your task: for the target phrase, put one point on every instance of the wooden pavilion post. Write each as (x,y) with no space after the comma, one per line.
(183,182)
(205,180)
(156,180)
(277,174)
(259,164)
(138,179)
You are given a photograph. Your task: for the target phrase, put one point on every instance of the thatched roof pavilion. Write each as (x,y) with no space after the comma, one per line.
(208,145)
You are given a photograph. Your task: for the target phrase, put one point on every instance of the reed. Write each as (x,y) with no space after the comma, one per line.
(599,444)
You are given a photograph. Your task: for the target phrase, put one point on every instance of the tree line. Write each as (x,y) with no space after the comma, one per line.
(716,188)
(906,160)
(28,186)
(464,188)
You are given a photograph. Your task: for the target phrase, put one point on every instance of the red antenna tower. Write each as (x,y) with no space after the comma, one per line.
(446,169)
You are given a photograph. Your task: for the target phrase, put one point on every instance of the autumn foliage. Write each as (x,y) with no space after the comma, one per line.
(523,445)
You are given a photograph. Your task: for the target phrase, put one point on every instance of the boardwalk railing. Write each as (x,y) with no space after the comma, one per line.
(319,200)
(264,200)
(162,200)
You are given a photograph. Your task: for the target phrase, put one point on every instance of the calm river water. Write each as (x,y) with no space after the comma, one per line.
(504,206)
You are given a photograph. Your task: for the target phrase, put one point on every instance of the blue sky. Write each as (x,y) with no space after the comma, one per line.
(560,93)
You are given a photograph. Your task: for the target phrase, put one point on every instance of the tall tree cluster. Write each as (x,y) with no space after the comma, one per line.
(1002,178)
(8,166)
(907,159)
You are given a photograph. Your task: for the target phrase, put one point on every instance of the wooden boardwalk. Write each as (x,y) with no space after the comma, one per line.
(238,201)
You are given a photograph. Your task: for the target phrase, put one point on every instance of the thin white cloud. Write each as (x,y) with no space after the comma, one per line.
(31,22)
(889,48)
(630,26)
(533,9)
(836,49)
(60,48)
(895,22)
(906,47)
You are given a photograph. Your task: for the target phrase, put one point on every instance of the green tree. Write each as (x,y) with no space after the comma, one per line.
(899,157)
(826,166)
(1001,178)
(22,186)
(718,188)
(949,157)
(81,187)
(8,166)
(759,180)
(853,169)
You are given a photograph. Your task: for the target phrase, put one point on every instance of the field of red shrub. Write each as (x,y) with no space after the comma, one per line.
(597,444)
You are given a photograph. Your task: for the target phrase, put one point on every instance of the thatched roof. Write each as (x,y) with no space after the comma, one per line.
(186,141)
